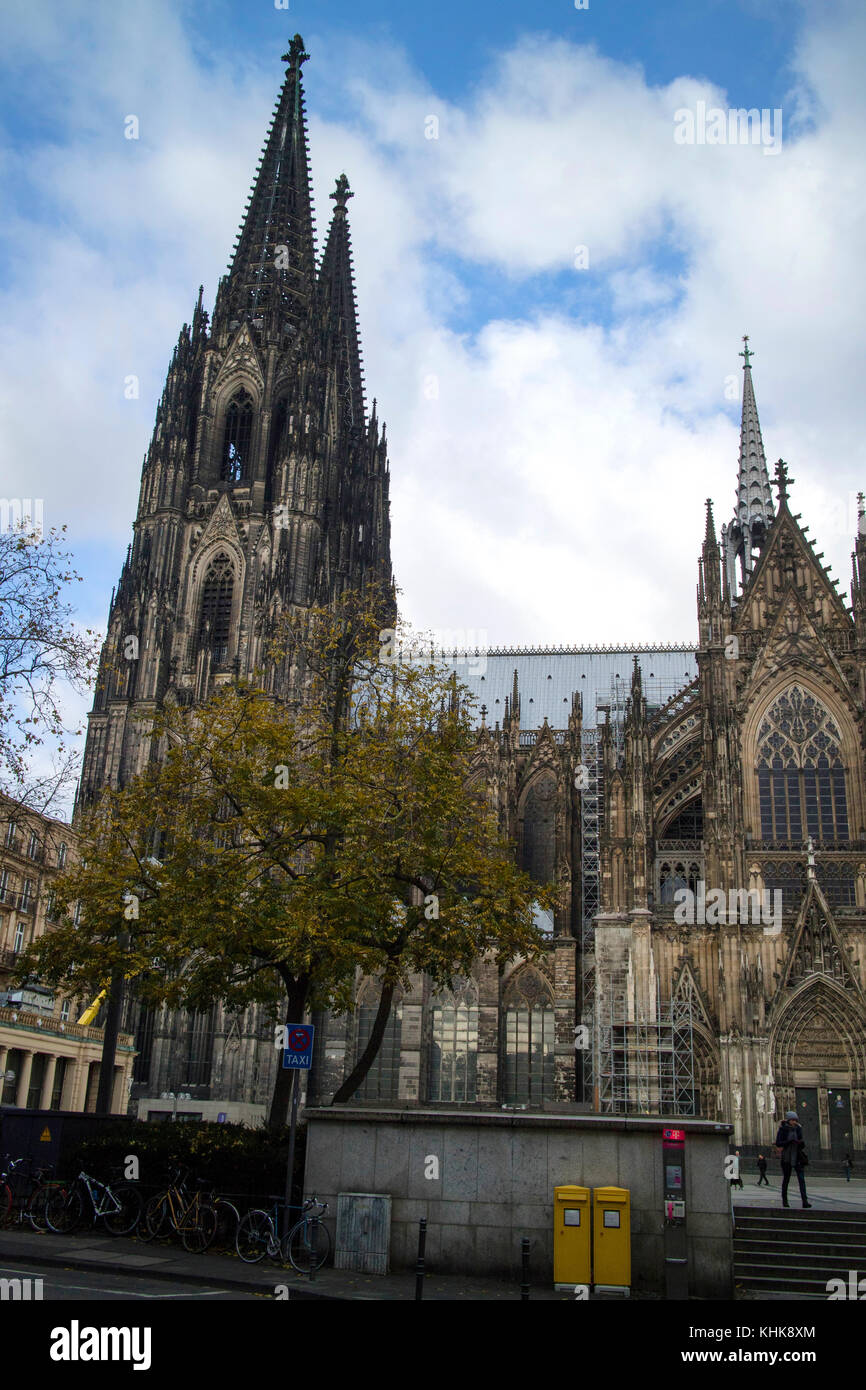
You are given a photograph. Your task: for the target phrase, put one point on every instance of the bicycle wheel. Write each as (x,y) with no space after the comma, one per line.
(255,1236)
(157,1217)
(64,1210)
(305,1238)
(35,1209)
(199,1229)
(228,1219)
(121,1222)
(5,1204)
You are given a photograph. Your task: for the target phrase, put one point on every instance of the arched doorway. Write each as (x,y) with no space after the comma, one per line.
(819,1062)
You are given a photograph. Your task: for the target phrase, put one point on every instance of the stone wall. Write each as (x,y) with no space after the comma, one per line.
(497,1173)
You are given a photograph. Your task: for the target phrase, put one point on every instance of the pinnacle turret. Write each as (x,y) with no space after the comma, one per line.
(754,510)
(340,313)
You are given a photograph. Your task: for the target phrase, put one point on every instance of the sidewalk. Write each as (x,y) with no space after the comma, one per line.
(825,1193)
(119,1255)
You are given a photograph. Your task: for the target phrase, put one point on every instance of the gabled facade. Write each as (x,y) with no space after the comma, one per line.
(734,842)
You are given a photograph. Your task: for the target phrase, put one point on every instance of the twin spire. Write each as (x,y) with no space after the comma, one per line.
(272,277)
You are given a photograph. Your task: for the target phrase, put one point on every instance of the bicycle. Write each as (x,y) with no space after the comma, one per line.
(306,1246)
(194,1218)
(119,1206)
(308,1243)
(258,1234)
(30,1206)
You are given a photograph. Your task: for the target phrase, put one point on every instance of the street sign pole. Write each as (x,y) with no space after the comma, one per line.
(297,1057)
(293,1125)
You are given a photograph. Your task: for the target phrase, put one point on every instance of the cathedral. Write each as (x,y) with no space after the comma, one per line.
(700,806)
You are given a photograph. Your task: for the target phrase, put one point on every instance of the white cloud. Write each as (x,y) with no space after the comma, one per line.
(554,489)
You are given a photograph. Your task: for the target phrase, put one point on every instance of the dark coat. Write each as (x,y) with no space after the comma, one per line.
(790,1141)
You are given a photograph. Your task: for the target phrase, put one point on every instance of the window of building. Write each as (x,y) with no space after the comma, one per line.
(801,773)
(76,916)
(538,838)
(64,1011)
(237,437)
(61,856)
(4,884)
(216,608)
(19,937)
(383,1079)
(26,892)
(10,833)
(528,1046)
(33,845)
(454,1050)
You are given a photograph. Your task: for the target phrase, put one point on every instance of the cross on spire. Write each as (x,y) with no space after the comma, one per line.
(296,54)
(747,352)
(342,193)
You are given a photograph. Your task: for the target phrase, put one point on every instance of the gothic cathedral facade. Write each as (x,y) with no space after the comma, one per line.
(702,807)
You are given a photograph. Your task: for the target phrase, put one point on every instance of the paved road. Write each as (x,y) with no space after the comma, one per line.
(74,1285)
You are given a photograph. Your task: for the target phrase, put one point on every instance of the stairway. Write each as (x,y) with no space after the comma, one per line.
(797,1251)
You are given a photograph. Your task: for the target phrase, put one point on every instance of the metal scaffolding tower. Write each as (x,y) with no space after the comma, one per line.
(644,1060)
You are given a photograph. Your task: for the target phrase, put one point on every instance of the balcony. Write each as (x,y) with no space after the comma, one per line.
(52,1027)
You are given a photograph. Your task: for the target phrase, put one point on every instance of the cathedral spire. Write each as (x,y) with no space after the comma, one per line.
(272,269)
(337,288)
(754,509)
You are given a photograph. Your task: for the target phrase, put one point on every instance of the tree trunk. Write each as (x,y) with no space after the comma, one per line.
(368,1056)
(296,998)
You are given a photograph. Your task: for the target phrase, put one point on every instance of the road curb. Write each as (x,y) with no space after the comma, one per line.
(167,1274)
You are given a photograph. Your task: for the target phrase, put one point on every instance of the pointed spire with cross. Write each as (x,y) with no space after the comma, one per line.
(754,510)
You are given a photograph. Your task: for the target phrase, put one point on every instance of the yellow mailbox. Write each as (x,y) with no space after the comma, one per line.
(571,1236)
(611,1209)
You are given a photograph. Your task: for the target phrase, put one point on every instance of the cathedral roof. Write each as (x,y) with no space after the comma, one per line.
(548,678)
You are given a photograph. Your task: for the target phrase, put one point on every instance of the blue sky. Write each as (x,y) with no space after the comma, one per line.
(554,428)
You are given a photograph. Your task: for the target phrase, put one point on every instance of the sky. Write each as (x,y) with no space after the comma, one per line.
(552,285)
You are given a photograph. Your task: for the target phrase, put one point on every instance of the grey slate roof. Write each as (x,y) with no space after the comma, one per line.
(547,680)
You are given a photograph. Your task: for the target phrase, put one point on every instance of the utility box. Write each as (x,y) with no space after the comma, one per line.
(611,1265)
(571,1236)
(363,1232)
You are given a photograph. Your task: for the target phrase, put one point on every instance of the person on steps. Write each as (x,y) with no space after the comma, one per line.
(789,1146)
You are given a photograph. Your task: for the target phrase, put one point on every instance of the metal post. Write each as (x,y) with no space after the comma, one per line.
(109,1043)
(524,1266)
(419,1266)
(290,1166)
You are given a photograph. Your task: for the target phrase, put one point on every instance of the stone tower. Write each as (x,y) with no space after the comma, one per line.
(264,489)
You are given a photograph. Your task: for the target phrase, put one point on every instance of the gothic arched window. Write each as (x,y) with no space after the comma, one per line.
(236,437)
(801,774)
(454,1053)
(216,608)
(528,1050)
(383,1079)
(538,842)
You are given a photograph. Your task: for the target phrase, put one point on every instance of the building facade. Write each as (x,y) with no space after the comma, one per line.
(650,784)
(48,1061)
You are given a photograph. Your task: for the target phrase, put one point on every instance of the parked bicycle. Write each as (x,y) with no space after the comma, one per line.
(24,1192)
(192,1217)
(306,1246)
(117,1204)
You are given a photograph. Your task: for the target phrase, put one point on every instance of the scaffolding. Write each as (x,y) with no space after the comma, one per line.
(642,1059)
